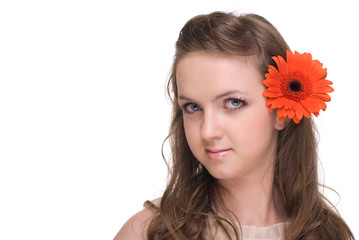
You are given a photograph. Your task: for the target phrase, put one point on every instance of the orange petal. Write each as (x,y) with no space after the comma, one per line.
(281,113)
(321,105)
(304,63)
(307,104)
(305,111)
(322,83)
(281,118)
(316,71)
(289,104)
(267,93)
(296,120)
(282,64)
(274,89)
(317,104)
(323,96)
(326,89)
(293,60)
(271,82)
(274,73)
(291,113)
(299,111)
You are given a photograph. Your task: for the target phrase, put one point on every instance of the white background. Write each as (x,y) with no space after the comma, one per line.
(83,111)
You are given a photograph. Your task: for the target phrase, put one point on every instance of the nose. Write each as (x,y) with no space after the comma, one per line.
(211,126)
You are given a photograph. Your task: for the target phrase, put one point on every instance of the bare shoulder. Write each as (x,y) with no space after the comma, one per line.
(136,226)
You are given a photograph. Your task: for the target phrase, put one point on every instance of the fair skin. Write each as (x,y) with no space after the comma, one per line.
(136,227)
(231,132)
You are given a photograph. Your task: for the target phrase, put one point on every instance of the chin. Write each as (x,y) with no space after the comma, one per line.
(222,174)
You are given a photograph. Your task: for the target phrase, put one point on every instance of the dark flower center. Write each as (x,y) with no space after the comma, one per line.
(295,86)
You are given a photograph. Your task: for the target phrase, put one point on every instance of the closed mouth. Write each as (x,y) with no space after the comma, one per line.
(216,154)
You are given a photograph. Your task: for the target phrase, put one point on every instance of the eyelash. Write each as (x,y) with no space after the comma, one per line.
(184,107)
(242,104)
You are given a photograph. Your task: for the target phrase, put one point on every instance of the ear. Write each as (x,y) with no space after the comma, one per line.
(280,125)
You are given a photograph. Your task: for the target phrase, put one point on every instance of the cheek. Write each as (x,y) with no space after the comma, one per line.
(258,128)
(192,133)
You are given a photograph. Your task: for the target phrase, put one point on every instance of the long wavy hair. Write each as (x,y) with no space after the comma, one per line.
(191,199)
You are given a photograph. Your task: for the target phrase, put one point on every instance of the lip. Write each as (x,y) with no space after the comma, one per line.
(216,154)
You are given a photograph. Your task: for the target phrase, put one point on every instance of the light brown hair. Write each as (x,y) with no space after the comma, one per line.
(189,203)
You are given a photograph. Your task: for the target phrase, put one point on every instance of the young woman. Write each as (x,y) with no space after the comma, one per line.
(244,163)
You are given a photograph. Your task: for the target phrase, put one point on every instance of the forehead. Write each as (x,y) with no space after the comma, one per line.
(214,73)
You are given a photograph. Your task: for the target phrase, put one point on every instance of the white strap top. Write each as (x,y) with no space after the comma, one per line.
(272,232)
(275,231)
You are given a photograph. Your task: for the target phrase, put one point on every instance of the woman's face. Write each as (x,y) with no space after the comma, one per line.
(228,127)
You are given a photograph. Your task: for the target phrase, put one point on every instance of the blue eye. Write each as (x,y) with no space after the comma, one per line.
(233,103)
(191,107)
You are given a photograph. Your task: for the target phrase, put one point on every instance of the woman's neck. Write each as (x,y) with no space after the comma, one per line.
(253,200)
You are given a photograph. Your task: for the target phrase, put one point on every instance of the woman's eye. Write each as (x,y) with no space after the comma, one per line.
(192,107)
(233,103)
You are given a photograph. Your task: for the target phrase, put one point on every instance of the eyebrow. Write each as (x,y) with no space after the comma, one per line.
(231,92)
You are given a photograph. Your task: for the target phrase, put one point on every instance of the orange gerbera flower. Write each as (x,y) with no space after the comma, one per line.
(297,87)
